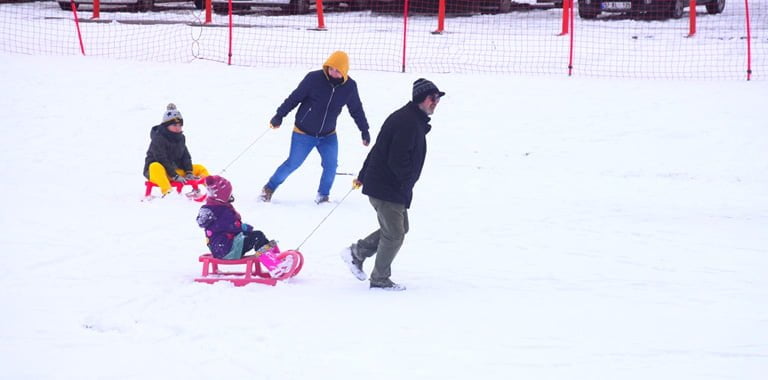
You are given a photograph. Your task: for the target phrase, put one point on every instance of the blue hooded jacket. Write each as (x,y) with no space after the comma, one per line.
(320,99)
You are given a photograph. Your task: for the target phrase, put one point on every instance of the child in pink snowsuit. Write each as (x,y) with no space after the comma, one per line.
(226,235)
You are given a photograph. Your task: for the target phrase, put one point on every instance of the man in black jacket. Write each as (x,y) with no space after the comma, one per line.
(388,175)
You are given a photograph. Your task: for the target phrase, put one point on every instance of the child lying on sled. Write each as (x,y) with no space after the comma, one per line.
(227,236)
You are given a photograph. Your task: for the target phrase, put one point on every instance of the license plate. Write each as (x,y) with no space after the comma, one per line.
(617,6)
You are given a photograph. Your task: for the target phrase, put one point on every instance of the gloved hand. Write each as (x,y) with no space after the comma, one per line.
(191,176)
(178,178)
(356,184)
(366,137)
(247,227)
(275,122)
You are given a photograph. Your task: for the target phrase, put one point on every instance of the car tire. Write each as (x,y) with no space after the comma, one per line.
(589,11)
(144,5)
(67,6)
(495,6)
(716,7)
(676,9)
(359,5)
(299,7)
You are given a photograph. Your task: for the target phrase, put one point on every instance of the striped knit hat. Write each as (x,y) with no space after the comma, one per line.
(423,88)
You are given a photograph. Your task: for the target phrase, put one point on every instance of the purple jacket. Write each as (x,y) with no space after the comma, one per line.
(222,224)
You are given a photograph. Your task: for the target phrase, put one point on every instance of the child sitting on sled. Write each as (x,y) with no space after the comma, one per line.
(168,158)
(228,237)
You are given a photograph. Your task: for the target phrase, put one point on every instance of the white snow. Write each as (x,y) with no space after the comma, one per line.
(614,231)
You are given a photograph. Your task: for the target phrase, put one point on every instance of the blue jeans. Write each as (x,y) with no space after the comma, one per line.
(301,145)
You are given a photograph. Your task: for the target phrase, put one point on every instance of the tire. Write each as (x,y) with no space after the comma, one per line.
(65,5)
(676,9)
(589,11)
(495,6)
(387,7)
(716,7)
(299,7)
(505,6)
(144,5)
(359,5)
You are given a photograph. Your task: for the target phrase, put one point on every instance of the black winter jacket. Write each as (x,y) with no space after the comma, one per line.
(394,163)
(169,149)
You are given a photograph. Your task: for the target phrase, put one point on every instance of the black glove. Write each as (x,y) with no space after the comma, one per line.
(275,122)
(178,178)
(366,137)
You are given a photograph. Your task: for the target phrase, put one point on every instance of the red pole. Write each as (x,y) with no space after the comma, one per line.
(229,55)
(570,24)
(566,16)
(691,18)
(749,42)
(96,9)
(405,30)
(77,25)
(440,17)
(320,17)
(208,12)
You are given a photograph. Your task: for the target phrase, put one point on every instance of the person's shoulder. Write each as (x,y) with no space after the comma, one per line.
(315,74)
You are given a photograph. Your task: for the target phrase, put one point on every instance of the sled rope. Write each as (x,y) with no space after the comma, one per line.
(243,152)
(326,217)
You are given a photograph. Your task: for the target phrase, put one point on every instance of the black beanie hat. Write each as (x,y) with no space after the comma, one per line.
(423,88)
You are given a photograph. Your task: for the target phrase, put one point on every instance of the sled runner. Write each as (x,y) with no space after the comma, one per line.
(292,262)
(196,194)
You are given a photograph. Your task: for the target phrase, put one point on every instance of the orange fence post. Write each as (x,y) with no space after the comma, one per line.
(96,9)
(208,12)
(749,41)
(566,16)
(691,18)
(229,55)
(77,26)
(405,30)
(320,16)
(440,17)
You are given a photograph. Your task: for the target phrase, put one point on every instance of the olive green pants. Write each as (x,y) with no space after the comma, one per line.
(386,241)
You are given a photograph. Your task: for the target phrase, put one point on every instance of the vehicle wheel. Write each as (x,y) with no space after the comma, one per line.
(359,5)
(716,7)
(66,5)
(199,4)
(505,6)
(144,5)
(299,7)
(220,8)
(676,9)
(589,11)
(495,6)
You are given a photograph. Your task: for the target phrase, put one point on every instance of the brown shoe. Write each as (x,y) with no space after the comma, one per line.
(266,194)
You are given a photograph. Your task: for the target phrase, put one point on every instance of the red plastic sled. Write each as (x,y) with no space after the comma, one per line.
(253,273)
(195,184)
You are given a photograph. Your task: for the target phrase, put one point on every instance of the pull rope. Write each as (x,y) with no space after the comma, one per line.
(326,217)
(243,152)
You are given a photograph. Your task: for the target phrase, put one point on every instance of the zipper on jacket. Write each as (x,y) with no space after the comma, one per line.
(325,115)
(305,114)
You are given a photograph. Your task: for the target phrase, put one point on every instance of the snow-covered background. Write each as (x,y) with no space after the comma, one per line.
(619,233)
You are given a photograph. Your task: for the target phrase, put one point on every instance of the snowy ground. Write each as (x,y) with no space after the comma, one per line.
(619,234)
(568,242)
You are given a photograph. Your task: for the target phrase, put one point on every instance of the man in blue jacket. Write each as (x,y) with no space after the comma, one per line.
(320,96)
(388,175)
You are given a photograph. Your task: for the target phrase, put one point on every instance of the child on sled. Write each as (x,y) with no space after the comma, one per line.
(168,158)
(228,237)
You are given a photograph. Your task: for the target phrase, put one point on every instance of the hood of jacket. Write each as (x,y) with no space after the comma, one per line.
(339,61)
